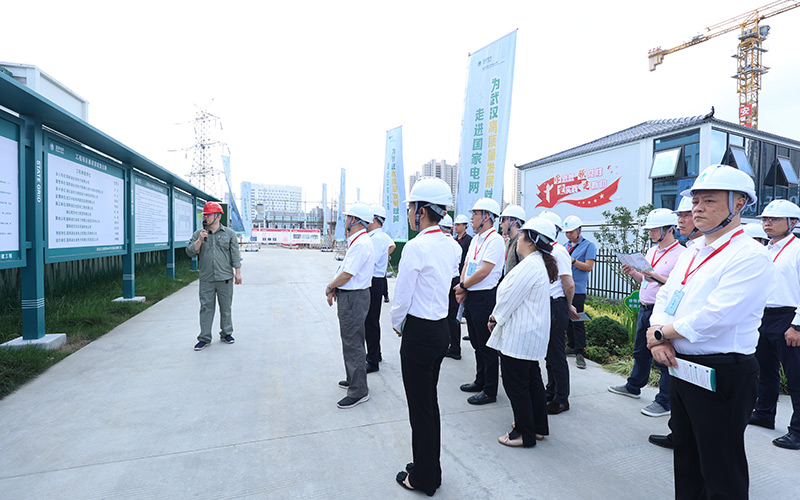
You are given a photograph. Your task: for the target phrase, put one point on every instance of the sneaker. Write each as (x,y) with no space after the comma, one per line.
(344,384)
(569,351)
(579,361)
(623,390)
(200,345)
(228,339)
(655,410)
(349,402)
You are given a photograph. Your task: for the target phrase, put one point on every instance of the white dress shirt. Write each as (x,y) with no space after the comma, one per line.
(724,298)
(358,261)
(381,242)
(785,254)
(564,262)
(455,269)
(423,281)
(522,311)
(487,247)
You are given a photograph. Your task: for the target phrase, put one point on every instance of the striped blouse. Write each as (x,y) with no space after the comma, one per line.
(522,311)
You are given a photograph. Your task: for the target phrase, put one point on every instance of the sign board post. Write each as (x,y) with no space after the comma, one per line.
(129,258)
(171,249)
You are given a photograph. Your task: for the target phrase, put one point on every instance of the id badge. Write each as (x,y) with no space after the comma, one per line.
(644,285)
(471,268)
(672,306)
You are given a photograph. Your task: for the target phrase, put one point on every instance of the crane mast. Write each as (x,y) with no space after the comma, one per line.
(749,67)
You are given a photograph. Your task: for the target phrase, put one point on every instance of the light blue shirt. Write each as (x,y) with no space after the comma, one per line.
(581,251)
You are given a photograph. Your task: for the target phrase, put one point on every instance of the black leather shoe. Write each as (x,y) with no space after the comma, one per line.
(465,337)
(372,368)
(473,387)
(554,408)
(481,399)
(790,441)
(761,422)
(662,441)
(453,355)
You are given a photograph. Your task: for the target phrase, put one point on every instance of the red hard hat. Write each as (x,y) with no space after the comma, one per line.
(212,207)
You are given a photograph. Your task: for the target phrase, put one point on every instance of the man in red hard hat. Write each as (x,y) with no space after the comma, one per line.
(220,266)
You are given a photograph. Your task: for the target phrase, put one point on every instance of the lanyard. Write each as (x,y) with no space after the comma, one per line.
(715,252)
(478,248)
(653,261)
(573,247)
(434,231)
(784,248)
(354,239)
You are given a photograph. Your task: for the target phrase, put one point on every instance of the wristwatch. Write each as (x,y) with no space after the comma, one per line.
(796,327)
(659,335)
(461,284)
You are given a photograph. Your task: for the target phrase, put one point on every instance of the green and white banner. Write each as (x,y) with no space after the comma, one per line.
(394,191)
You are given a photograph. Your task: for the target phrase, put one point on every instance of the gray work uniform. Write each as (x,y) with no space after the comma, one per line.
(218,257)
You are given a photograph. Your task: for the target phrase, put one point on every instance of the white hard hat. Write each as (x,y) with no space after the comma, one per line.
(461,219)
(755,231)
(486,205)
(660,217)
(552,217)
(724,178)
(446,221)
(685,205)
(361,211)
(378,211)
(571,223)
(431,190)
(541,226)
(781,208)
(515,211)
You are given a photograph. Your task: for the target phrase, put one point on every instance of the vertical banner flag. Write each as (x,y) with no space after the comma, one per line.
(484,131)
(236,218)
(394,191)
(340,236)
(324,209)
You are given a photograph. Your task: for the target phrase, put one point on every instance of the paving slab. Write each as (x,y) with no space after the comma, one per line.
(139,414)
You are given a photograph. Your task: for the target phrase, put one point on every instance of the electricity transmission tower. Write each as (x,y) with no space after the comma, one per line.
(205,172)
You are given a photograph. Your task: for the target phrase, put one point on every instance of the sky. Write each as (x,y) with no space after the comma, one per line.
(305,88)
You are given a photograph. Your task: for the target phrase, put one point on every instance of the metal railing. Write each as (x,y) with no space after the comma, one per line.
(606,279)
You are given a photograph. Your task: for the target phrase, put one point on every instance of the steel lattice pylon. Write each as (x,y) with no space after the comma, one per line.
(204,173)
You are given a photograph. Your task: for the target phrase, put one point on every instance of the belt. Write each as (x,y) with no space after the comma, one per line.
(342,290)
(556,299)
(778,310)
(646,307)
(717,359)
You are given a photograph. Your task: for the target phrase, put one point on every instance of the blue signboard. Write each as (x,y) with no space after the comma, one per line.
(11,193)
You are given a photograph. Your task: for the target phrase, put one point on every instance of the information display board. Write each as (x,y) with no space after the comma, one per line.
(183,225)
(10,222)
(199,213)
(151,206)
(84,212)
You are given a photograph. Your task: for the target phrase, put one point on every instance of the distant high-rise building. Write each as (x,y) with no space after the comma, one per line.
(516,187)
(440,169)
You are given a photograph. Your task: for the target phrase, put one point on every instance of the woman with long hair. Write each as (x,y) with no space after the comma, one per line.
(520,326)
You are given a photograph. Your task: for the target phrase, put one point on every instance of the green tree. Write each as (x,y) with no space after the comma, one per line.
(623,232)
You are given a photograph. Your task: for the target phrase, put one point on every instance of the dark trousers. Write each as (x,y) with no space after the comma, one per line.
(477,308)
(576,330)
(372,325)
(556,360)
(643,360)
(422,349)
(452,322)
(522,381)
(708,429)
(771,353)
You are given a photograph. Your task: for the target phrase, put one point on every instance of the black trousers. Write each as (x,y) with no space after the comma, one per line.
(771,353)
(576,330)
(522,380)
(372,325)
(708,429)
(422,349)
(477,308)
(556,359)
(453,323)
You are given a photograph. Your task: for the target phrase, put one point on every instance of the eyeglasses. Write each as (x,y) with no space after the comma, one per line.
(771,220)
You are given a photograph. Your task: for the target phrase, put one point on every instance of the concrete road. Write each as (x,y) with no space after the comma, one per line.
(139,414)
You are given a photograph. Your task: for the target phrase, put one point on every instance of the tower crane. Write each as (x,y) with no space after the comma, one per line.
(748,56)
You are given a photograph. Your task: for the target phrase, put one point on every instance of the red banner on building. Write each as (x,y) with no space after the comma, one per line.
(554,190)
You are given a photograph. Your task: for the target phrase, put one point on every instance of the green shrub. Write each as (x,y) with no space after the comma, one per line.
(606,332)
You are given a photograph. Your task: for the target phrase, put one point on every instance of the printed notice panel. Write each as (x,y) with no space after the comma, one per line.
(183,217)
(85,204)
(9,192)
(151,203)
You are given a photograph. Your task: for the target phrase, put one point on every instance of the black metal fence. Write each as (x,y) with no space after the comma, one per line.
(606,279)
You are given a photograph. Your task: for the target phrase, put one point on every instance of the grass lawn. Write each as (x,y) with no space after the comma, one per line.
(85,312)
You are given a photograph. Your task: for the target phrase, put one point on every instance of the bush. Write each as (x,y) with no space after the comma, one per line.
(608,333)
